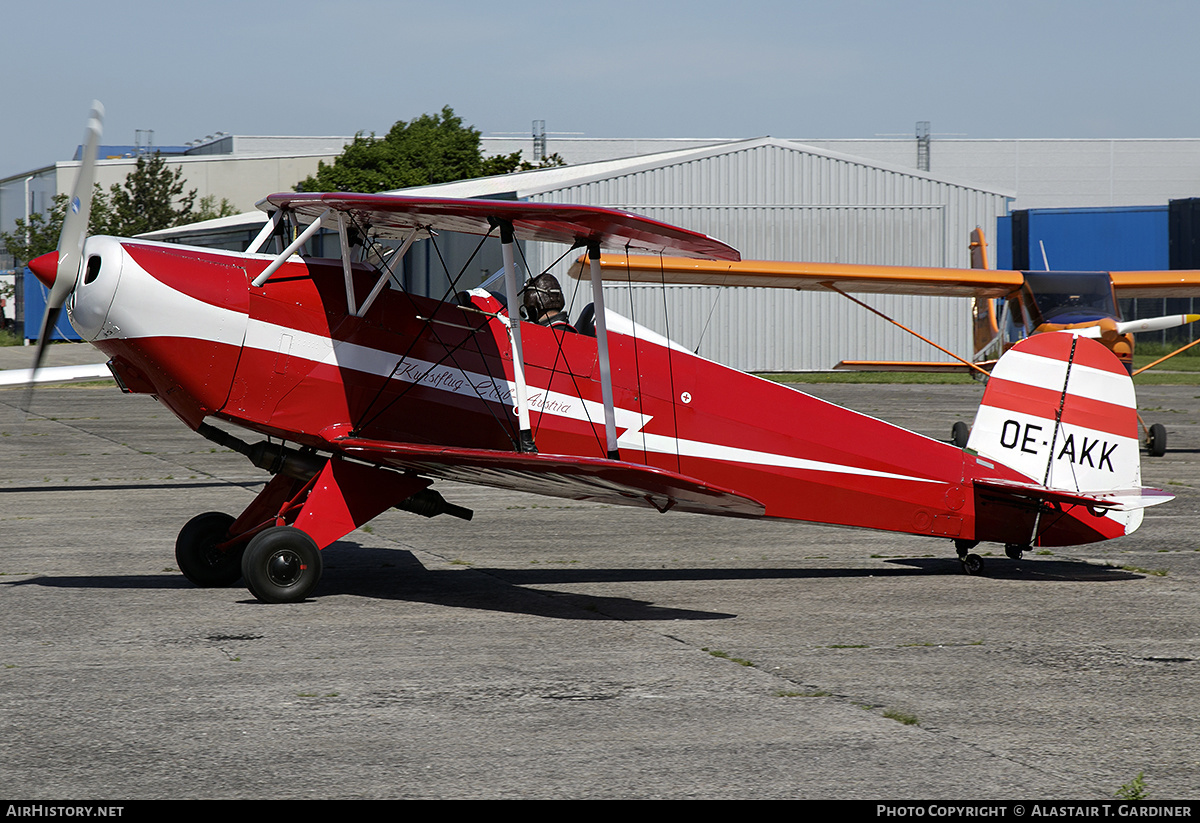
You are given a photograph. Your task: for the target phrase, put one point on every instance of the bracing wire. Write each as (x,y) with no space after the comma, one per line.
(670,361)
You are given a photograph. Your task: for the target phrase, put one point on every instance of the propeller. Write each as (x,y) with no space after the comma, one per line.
(59,270)
(1133,326)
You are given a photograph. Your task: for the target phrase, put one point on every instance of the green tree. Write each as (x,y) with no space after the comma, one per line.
(432,148)
(553,161)
(40,235)
(152,198)
(209,209)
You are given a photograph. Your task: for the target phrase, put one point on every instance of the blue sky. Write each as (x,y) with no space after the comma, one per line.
(851,68)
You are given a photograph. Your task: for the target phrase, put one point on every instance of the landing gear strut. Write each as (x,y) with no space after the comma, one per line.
(310,503)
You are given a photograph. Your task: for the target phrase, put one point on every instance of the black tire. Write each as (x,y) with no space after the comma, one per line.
(1015,551)
(960,433)
(973,564)
(1156,443)
(281,565)
(197,556)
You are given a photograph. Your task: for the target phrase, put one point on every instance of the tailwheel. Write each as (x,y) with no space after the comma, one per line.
(282,564)
(1015,551)
(197,554)
(961,546)
(1156,440)
(972,564)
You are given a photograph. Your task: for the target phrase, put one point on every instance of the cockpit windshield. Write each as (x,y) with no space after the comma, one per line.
(1071,297)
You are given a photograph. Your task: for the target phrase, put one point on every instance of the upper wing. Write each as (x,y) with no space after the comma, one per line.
(1176,283)
(809,276)
(575,478)
(609,228)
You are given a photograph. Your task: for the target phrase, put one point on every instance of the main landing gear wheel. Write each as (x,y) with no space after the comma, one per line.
(960,433)
(1156,441)
(281,565)
(198,557)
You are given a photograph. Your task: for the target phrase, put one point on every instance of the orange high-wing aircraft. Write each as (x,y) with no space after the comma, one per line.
(1029,302)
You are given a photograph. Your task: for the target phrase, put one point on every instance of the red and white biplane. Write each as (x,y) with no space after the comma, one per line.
(369,395)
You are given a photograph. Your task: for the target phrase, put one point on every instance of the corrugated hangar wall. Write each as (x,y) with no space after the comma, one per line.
(779,201)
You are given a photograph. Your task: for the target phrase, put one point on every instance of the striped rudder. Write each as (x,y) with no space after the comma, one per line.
(1060,409)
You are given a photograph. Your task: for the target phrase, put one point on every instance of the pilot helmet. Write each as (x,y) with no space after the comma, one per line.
(542,294)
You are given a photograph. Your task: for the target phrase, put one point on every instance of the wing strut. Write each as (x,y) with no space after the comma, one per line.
(303,237)
(1136,372)
(344,242)
(265,234)
(963,360)
(606,389)
(386,271)
(512,291)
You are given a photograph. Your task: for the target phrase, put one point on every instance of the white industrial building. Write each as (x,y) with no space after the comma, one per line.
(1041,173)
(776,200)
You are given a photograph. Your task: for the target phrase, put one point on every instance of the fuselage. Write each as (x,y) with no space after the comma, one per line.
(288,360)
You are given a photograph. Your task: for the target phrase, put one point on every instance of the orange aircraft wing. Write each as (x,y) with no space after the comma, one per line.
(1176,283)
(921,280)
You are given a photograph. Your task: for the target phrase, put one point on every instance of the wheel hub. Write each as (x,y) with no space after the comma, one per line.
(284,567)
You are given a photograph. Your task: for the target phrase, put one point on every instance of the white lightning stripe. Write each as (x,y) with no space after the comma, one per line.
(340,354)
(732,454)
(1049,373)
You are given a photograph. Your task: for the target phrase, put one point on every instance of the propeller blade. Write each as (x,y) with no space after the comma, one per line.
(75,223)
(49,319)
(72,236)
(1169,321)
(1156,323)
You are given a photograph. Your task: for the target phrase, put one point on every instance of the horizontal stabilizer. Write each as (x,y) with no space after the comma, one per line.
(574,478)
(1122,500)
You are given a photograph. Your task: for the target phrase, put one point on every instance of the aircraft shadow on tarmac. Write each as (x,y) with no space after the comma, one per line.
(149,486)
(1047,570)
(395,574)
